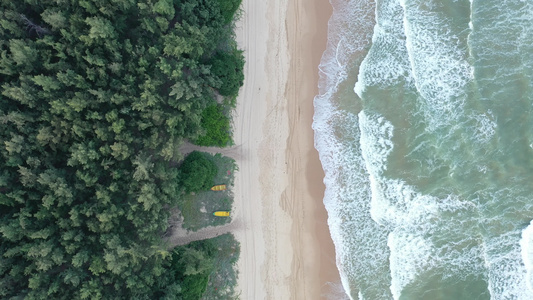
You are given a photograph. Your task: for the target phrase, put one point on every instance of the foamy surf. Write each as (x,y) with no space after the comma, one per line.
(426,146)
(526,245)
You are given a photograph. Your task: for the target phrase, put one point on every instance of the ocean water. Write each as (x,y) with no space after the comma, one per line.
(424,126)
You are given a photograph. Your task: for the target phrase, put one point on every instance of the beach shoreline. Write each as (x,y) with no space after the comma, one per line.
(307,28)
(286,249)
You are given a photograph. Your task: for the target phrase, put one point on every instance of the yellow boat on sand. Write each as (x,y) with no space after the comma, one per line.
(221,213)
(220,187)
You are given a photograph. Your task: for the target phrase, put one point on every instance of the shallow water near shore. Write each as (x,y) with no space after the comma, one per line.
(424,126)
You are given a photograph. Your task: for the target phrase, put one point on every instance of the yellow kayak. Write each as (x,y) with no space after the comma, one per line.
(221,213)
(220,187)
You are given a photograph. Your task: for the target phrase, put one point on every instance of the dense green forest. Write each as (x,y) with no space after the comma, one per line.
(96,98)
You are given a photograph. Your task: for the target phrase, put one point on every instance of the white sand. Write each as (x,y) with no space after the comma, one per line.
(286,251)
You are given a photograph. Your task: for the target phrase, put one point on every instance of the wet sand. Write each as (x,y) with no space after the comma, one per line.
(286,249)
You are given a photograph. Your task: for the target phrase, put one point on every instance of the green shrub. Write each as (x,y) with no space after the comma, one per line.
(194,286)
(228,67)
(228,8)
(197,172)
(217,126)
(191,265)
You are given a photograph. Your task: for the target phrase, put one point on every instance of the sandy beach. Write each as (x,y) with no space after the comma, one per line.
(286,250)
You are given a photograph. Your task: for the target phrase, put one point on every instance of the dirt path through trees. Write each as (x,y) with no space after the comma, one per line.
(233,152)
(180,236)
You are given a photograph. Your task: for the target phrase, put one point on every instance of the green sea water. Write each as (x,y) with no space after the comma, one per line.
(424,128)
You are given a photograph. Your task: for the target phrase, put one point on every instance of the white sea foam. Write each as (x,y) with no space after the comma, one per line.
(404,268)
(526,246)
(507,275)
(349,33)
(360,296)
(387,61)
(485,126)
(439,62)
(502,40)
(376,141)
(507,24)
(418,223)
(421,224)
(359,243)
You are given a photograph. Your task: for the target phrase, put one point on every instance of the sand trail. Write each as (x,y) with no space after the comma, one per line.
(180,236)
